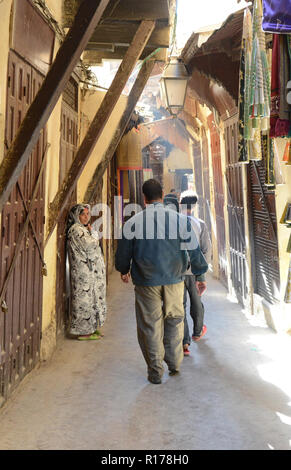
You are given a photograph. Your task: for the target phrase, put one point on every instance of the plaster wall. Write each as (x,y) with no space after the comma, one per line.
(50,250)
(168,179)
(5,12)
(177,160)
(90,103)
(48,342)
(55,7)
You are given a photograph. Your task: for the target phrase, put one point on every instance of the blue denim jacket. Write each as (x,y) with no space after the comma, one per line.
(157,245)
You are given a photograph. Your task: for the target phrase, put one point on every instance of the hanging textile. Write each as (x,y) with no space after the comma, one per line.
(255,146)
(287,153)
(258,91)
(280,109)
(244,129)
(268,155)
(259,79)
(276,16)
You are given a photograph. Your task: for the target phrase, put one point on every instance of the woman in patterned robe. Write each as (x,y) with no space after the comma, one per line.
(87,275)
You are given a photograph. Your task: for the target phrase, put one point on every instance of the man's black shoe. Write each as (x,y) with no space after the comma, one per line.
(154,380)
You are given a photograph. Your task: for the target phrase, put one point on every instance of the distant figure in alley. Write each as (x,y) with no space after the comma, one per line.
(195,285)
(154,250)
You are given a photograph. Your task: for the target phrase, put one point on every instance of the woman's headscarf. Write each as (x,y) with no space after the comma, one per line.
(73,217)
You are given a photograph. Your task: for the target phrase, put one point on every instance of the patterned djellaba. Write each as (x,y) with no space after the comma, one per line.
(87,276)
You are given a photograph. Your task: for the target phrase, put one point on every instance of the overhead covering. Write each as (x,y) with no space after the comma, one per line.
(118,25)
(219,57)
(171,129)
(210,93)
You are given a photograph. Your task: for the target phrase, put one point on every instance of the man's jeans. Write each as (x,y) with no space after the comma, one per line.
(196,309)
(159,316)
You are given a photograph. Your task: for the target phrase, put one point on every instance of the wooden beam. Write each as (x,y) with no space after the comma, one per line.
(38,113)
(90,57)
(121,34)
(136,91)
(127,10)
(126,67)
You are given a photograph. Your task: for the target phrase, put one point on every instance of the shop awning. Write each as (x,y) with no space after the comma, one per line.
(218,58)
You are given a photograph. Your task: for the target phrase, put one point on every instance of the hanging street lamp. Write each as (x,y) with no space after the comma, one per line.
(174,85)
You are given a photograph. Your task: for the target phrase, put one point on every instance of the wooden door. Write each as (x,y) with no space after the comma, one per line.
(20,326)
(263,229)
(206,185)
(235,209)
(198,178)
(218,199)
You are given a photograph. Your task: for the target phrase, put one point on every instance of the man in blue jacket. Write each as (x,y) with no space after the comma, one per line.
(156,247)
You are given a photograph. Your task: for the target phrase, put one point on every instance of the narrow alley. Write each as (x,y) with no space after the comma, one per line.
(233,391)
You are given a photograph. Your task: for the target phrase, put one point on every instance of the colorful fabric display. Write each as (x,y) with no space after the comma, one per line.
(268,152)
(277,16)
(259,74)
(244,130)
(287,153)
(280,109)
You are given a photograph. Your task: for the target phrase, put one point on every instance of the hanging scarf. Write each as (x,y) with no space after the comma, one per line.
(259,74)
(257,87)
(268,156)
(287,153)
(277,16)
(244,122)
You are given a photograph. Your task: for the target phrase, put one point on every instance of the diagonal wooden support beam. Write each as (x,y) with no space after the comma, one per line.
(126,67)
(136,91)
(85,22)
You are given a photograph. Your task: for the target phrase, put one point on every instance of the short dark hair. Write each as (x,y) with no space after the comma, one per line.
(189,201)
(152,190)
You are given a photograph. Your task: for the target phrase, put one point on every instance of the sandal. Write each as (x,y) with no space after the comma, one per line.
(89,337)
(98,333)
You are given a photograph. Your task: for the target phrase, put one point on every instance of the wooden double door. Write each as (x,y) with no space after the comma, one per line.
(219,199)
(263,229)
(262,223)
(235,208)
(21,256)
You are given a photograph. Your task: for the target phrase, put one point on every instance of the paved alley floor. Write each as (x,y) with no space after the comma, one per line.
(234,391)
